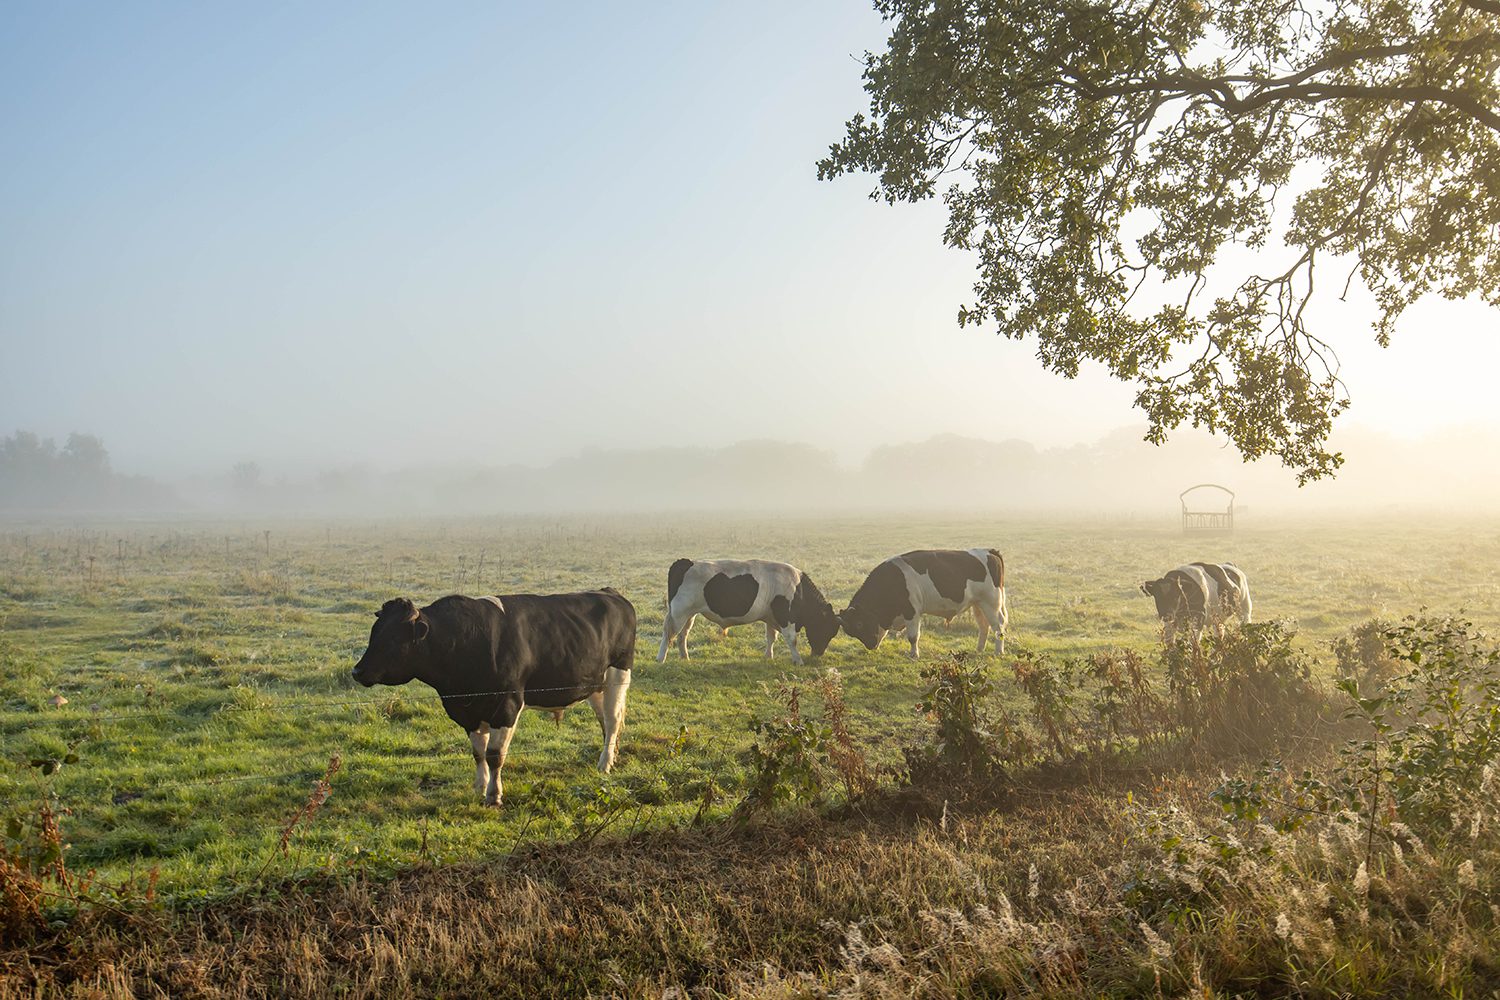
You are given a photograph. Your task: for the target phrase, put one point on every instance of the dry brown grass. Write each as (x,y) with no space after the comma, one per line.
(795,906)
(1031,895)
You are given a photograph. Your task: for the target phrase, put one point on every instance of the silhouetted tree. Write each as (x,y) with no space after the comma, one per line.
(1093,147)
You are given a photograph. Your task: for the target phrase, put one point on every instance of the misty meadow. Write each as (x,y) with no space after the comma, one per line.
(886,499)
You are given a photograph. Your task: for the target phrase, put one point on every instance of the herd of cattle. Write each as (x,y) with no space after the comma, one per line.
(489,657)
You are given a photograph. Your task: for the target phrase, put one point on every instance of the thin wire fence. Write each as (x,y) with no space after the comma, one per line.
(39,718)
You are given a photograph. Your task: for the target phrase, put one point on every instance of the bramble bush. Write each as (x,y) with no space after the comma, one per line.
(787,756)
(1239,684)
(970,742)
(1431,745)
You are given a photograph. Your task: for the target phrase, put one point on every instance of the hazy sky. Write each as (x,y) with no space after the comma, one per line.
(316,234)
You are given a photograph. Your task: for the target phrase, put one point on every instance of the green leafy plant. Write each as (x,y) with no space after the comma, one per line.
(787,755)
(1429,751)
(970,742)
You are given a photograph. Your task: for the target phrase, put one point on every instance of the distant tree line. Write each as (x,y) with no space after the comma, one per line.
(35,474)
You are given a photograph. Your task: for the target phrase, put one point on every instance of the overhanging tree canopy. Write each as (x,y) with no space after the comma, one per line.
(1090,151)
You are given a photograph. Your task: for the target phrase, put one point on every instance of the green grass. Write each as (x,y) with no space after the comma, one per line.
(207,677)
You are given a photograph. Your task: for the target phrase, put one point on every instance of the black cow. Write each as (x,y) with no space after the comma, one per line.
(736,591)
(941,582)
(489,657)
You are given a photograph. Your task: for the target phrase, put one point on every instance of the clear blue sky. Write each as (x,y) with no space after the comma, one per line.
(319,234)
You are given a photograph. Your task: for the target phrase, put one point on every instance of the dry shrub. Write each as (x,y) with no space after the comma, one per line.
(843,753)
(1361,654)
(20,903)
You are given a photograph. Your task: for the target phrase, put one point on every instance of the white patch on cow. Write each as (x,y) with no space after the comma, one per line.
(1242,584)
(494,600)
(611,710)
(773,578)
(499,741)
(479,739)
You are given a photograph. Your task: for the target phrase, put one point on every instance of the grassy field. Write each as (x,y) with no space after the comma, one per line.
(205,666)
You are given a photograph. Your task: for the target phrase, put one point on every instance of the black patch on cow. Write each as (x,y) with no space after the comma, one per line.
(884,595)
(814,615)
(878,603)
(808,602)
(781,610)
(730,596)
(997,568)
(950,570)
(675,577)
(1187,591)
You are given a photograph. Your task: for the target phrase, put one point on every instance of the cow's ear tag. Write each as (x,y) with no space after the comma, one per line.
(419,629)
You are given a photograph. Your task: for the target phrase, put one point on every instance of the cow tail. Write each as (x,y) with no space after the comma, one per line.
(1000,561)
(675,576)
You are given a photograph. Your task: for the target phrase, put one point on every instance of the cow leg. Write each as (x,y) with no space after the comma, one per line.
(1001,621)
(770,638)
(913,632)
(499,746)
(596,702)
(666,636)
(789,636)
(479,740)
(616,687)
(1169,629)
(983,621)
(682,636)
(992,619)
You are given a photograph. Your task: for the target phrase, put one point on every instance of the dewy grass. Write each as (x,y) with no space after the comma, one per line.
(207,683)
(206,689)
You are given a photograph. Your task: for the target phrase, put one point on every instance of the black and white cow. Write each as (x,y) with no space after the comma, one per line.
(941,582)
(491,656)
(1197,594)
(738,591)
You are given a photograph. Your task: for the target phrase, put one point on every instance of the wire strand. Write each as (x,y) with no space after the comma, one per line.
(40,720)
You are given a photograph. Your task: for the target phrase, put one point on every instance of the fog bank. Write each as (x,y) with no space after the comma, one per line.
(1119,474)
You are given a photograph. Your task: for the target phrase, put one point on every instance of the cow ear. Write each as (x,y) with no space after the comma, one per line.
(419,629)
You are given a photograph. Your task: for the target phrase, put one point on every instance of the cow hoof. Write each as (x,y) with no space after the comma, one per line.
(493,802)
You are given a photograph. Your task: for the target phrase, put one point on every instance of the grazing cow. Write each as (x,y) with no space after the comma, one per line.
(737,591)
(1187,595)
(489,657)
(941,582)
